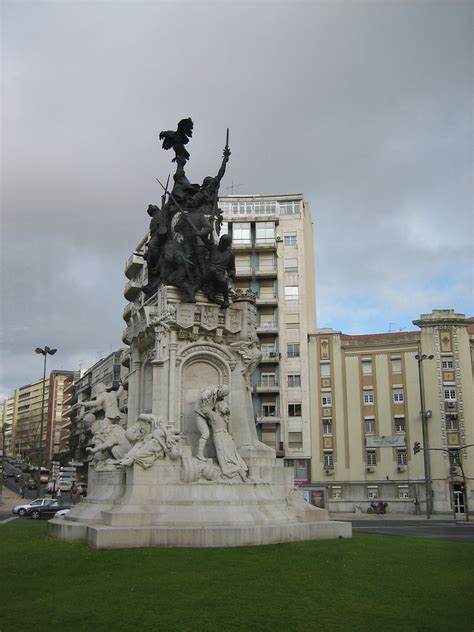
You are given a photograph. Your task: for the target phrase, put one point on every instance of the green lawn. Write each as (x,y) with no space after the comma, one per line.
(367,583)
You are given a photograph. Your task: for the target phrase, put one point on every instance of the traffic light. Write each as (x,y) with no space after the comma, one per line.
(416,447)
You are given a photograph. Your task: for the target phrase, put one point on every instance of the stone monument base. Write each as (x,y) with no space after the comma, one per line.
(156,508)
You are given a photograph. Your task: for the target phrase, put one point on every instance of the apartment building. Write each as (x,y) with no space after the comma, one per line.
(22,415)
(272,239)
(366,416)
(76,435)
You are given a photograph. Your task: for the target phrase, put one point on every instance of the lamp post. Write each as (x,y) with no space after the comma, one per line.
(424,428)
(44,352)
(4,428)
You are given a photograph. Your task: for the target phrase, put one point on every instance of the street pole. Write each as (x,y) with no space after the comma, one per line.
(424,428)
(44,352)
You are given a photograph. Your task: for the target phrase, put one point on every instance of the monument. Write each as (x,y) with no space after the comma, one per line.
(188,469)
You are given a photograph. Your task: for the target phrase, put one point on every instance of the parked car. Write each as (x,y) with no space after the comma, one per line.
(38,502)
(61,512)
(48,511)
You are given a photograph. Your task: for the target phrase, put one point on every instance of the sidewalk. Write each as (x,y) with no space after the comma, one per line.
(10,499)
(398,516)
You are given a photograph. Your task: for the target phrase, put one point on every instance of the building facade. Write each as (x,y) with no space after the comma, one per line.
(366,416)
(22,415)
(272,239)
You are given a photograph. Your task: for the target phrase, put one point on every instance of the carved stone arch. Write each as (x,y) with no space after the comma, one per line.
(202,367)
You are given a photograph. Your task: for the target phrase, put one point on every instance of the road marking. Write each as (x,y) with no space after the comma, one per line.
(8,520)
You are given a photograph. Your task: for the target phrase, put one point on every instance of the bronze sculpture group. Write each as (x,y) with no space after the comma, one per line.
(182,249)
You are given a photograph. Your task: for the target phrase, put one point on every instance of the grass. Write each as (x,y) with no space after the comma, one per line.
(367,583)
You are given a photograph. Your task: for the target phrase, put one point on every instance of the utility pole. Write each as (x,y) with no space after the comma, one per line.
(424,428)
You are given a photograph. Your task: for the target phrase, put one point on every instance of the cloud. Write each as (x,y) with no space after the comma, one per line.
(364,108)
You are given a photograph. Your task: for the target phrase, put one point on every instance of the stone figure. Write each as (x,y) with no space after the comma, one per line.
(109,440)
(152,440)
(178,139)
(212,412)
(220,268)
(251,357)
(107,400)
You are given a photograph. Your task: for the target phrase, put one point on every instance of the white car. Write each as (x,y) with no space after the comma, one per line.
(38,502)
(61,512)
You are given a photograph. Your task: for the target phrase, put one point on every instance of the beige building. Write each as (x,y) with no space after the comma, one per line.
(22,416)
(366,416)
(272,239)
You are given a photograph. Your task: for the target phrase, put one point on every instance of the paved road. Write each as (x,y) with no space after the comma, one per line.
(433,529)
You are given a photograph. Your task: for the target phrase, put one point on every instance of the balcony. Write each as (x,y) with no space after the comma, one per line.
(267,386)
(244,272)
(271,356)
(267,328)
(241,245)
(133,266)
(267,299)
(132,290)
(266,271)
(268,244)
(270,420)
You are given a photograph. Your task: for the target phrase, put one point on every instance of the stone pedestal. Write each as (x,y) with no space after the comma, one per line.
(178,349)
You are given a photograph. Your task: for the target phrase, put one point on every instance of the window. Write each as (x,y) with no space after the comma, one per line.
(291,293)
(372,492)
(267,320)
(327,427)
(241,233)
(301,470)
(269,437)
(264,207)
(241,208)
(453,456)
(242,263)
(369,425)
(289,208)
(399,424)
(325,369)
(269,409)
(371,457)
(452,422)
(294,410)
(289,239)
(403,492)
(449,394)
(294,379)
(336,492)
(292,321)
(293,349)
(268,379)
(368,397)
(396,365)
(295,440)
(447,364)
(401,457)
(291,263)
(398,395)
(326,398)
(366,366)
(328,459)
(265,232)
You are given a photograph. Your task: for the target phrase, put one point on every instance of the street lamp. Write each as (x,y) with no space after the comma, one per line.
(44,352)
(425,415)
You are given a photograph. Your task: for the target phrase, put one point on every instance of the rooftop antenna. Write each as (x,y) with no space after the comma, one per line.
(232,187)
(390,330)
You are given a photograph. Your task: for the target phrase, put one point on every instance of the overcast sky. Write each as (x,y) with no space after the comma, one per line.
(366,108)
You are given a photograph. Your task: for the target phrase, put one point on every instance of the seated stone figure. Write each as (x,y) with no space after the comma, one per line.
(110,441)
(152,440)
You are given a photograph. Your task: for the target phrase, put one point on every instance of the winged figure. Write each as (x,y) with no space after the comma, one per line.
(178,139)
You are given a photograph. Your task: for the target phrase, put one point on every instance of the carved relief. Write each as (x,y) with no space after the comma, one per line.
(324,344)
